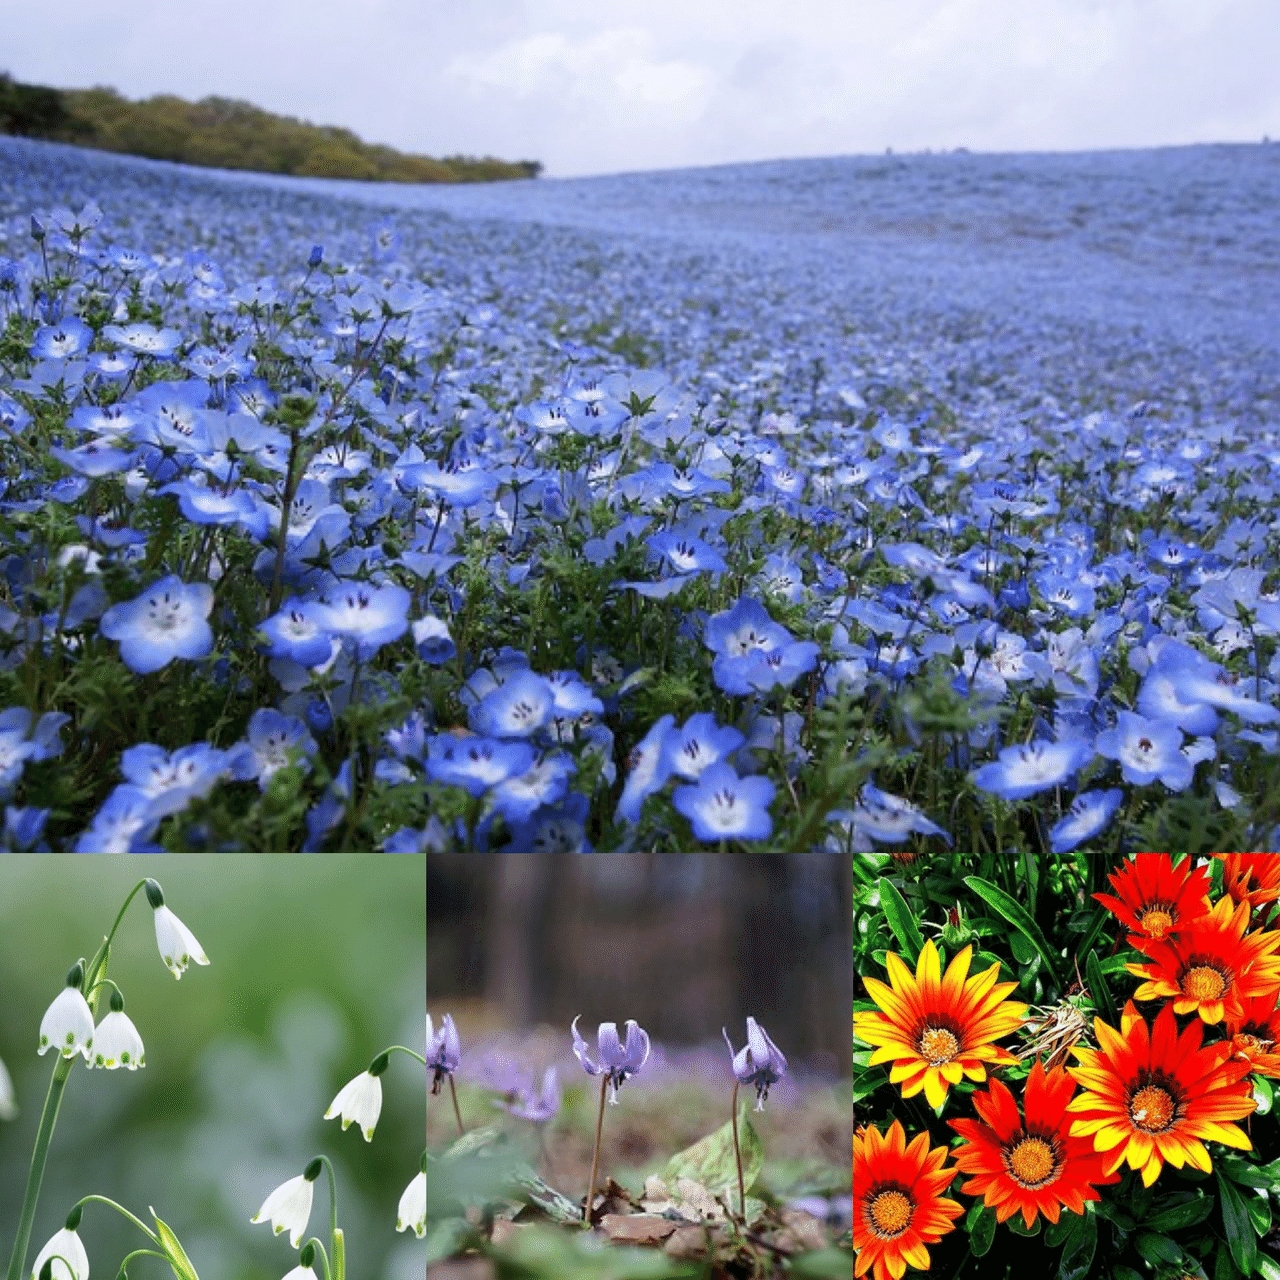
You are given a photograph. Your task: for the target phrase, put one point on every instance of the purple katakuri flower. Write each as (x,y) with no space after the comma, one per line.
(617,1060)
(443,1051)
(759,1063)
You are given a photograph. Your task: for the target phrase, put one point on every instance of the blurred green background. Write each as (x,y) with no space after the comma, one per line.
(317,963)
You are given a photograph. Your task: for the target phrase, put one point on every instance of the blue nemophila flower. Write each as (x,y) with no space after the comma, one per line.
(744,628)
(95,458)
(444,1052)
(272,739)
(701,742)
(1185,688)
(888,818)
(616,1060)
(173,780)
(144,339)
(759,1062)
(648,767)
(763,670)
(300,632)
(518,798)
(1147,750)
(204,505)
(432,640)
(23,829)
(460,488)
(167,621)
(475,763)
(124,824)
(1029,767)
(517,708)
(723,806)
(685,553)
(371,616)
(1089,814)
(65,341)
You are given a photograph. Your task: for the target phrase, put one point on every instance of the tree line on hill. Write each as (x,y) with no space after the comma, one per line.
(226,134)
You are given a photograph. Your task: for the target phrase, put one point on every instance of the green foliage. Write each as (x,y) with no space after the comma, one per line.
(225,133)
(711,1162)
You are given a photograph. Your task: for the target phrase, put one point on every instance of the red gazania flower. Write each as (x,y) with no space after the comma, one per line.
(1251,877)
(897,1203)
(1255,1035)
(1157,898)
(1212,966)
(937,1029)
(1154,1096)
(1032,1166)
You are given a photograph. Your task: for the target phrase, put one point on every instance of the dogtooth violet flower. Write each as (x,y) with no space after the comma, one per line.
(361,1099)
(759,1062)
(289,1205)
(937,1028)
(178,945)
(1151,1095)
(536,1108)
(898,1206)
(1032,1165)
(443,1051)
(617,1060)
(68,1022)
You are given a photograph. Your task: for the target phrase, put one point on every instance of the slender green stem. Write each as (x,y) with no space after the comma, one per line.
(457,1115)
(324,1257)
(595,1156)
(39,1156)
(120,1209)
(333,1210)
(413,1053)
(737,1155)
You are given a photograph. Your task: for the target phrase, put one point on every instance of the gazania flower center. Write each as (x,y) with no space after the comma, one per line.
(937,1045)
(1152,1109)
(1204,983)
(1157,920)
(890,1213)
(1032,1163)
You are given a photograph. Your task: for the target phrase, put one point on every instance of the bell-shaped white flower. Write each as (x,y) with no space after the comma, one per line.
(70,1261)
(67,1024)
(289,1205)
(177,943)
(8,1099)
(360,1100)
(412,1211)
(116,1043)
(302,1273)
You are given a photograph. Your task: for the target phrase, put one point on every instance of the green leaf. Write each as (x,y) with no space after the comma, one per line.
(1235,1218)
(1223,1267)
(1173,1216)
(1082,1244)
(1157,1248)
(1024,950)
(1020,1228)
(1099,991)
(1014,912)
(1266,1176)
(1259,1211)
(711,1162)
(1124,1273)
(901,921)
(178,1260)
(1267,1267)
(1057,1233)
(981,1226)
(1263,1094)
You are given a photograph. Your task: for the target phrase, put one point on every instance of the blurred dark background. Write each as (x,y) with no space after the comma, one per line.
(316,964)
(683,943)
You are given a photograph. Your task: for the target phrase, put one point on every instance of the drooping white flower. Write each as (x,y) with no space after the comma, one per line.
(178,945)
(62,1245)
(359,1100)
(412,1210)
(301,1273)
(67,1024)
(289,1205)
(116,1043)
(8,1099)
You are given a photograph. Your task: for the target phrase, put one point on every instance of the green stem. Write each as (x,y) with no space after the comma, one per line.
(120,1209)
(413,1053)
(595,1156)
(324,1257)
(333,1216)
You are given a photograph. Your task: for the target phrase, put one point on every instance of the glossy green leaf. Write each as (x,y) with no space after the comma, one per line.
(1235,1218)
(1263,1095)
(711,1161)
(1247,1174)
(1267,1268)
(1099,992)
(1124,1273)
(1259,1210)
(1081,1245)
(1016,914)
(1157,1248)
(981,1225)
(178,1260)
(1020,1228)
(901,921)
(1172,1216)
(1223,1267)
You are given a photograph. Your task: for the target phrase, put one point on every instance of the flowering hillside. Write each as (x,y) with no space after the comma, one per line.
(829,503)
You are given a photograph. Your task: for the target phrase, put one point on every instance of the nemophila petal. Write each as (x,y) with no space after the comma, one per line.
(301,631)
(167,621)
(272,741)
(173,780)
(1027,768)
(432,640)
(685,553)
(648,768)
(700,742)
(94,458)
(888,818)
(461,488)
(1088,816)
(1147,750)
(143,339)
(63,341)
(475,763)
(371,616)
(544,783)
(723,806)
(125,822)
(744,628)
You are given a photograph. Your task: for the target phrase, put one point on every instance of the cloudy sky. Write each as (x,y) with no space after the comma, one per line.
(598,86)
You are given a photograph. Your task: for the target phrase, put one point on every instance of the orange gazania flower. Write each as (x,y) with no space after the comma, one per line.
(1032,1166)
(1251,877)
(937,1029)
(1213,966)
(1255,1035)
(1157,898)
(897,1205)
(1154,1096)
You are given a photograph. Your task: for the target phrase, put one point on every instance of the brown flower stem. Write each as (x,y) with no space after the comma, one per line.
(457,1115)
(737,1155)
(595,1156)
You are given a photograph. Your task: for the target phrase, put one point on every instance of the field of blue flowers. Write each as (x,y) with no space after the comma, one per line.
(831,503)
